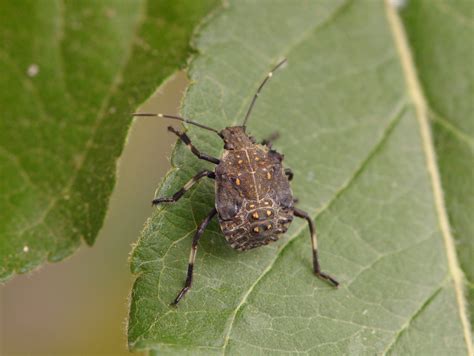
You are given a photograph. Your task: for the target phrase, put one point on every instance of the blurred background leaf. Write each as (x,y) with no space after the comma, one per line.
(64,299)
(356,134)
(72,72)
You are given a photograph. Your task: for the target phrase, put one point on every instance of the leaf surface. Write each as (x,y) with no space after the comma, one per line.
(447,28)
(357,137)
(72,72)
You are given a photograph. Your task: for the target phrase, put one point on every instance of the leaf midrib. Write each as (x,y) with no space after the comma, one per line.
(115,83)
(422,110)
(427,143)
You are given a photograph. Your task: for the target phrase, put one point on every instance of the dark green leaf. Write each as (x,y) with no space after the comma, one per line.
(72,72)
(355,130)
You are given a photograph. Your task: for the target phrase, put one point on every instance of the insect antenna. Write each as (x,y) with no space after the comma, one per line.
(180,119)
(269,75)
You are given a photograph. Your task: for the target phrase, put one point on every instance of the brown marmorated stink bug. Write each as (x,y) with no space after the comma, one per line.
(254,203)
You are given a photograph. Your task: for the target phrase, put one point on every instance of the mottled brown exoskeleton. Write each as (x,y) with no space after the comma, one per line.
(254,203)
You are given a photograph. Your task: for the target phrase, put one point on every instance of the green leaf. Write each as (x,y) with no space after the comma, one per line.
(441,34)
(355,130)
(72,72)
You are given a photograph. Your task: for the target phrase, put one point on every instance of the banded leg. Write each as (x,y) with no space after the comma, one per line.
(176,196)
(314,242)
(289,173)
(187,141)
(269,140)
(192,256)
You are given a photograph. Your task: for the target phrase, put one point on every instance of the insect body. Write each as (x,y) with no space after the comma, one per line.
(254,203)
(253,196)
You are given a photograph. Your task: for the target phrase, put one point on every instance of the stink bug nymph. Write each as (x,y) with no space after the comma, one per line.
(253,201)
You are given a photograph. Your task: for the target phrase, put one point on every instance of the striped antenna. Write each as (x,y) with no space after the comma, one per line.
(180,119)
(269,75)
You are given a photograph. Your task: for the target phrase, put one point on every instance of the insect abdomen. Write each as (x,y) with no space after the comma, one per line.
(257,223)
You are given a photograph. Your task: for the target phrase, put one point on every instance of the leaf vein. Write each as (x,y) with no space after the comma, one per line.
(378,145)
(422,111)
(455,131)
(417,313)
(100,117)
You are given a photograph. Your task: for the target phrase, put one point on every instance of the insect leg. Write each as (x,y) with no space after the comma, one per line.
(289,173)
(187,141)
(192,256)
(314,242)
(269,140)
(176,196)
